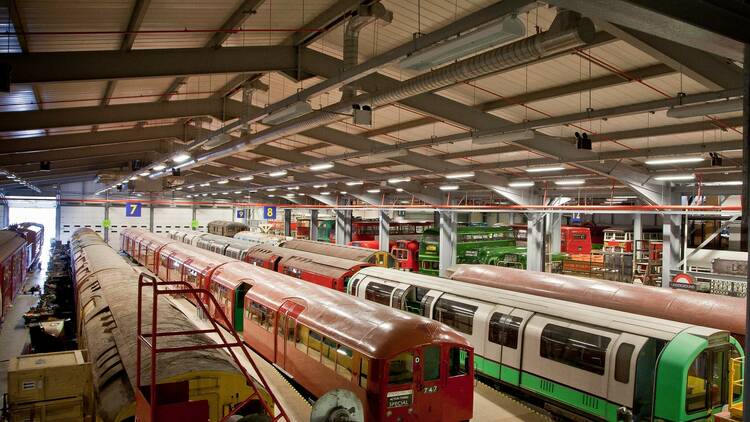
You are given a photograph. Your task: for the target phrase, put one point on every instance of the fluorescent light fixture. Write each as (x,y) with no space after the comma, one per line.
(252,191)
(373,191)
(144,174)
(271,189)
(399,190)
(272,196)
(246,178)
(343,192)
(223,182)
(159,167)
(205,194)
(489,35)
(134,178)
(181,157)
(503,137)
(206,184)
(460,175)
(543,169)
(191,186)
(390,154)
(213,194)
(321,166)
(570,182)
(355,183)
(178,188)
(217,140)
(675,177)
(278,173)
(325,193)
(300,108)
(189,196)
(324,185)
(153,175)
(11,176)
(395,180)
(724,183)
(521,184)
(449,187)
(674,160)
(293,188)
(697,110)
(237,192)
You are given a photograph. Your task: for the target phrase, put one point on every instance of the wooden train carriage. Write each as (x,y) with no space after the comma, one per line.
(353,253)
(602,364)
(107,305)
(721,312)
(403,368)
(34,235)
(322,270)
(12,268)
(226,228)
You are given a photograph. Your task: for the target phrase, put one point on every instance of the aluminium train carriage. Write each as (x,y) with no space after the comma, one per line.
(402,367)
(600,363)
(226,228)
(379,258)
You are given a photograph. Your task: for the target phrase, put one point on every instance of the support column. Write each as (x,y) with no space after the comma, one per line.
(535,242)
(193,220)
(637,229)
(436,219)
(151,217)
(384,228)
(553,229)
(58,220)
(313,224)
(343,227)
(234,213)
(672,242)
(288,222)
(105,228)
(448,240)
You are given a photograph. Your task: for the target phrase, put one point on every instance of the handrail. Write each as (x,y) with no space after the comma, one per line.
(150,341)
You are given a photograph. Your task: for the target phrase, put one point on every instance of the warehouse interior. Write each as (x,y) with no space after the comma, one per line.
(508,162)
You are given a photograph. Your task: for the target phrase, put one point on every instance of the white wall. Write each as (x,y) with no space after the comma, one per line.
(206,215)
(168,219)
(73,218)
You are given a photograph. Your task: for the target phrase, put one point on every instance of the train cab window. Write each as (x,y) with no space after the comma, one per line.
(191,276)
(364,371)
(431,364)
(459,362)
(401,369)
(622,362)
(431,265)
(575,348)
(378,292)
(695,394)
(344,361)
(717,384)
(390,261)
(425,303)
(354,284)
(455,314)
(504,329)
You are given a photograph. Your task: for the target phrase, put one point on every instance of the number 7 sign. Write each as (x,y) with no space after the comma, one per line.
(133,209)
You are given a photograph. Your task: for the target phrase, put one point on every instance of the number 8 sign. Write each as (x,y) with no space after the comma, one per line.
(133,209)
(269,213)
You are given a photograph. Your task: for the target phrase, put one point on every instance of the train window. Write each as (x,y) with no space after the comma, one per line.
(695,397)
(328,350)
(378,292)
(431,365)
(314,343)
(504,329)
(426,303)
(398,298)
(294,272)
(717,385)
(459,362)
(455,314)
(261,315)
(301,338)
(364,371)
(280,325)
(622,362)
(344,362)
(354,283)
(191,276)
(579,236)
(575,348)
(401,369)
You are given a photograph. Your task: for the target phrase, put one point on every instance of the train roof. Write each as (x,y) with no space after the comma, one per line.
(306,260)
(597,316)
(10,241)
(721,312)
(260,237)
(353,253)
(180,251)
(226,223)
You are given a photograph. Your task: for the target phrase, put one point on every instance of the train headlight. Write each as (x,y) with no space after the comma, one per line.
(389,413)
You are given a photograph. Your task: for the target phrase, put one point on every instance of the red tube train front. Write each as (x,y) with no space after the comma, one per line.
(402,367)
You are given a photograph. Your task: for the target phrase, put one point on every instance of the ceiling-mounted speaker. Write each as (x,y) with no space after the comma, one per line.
(136,165)
(583,141)
(45,166)
(175,171)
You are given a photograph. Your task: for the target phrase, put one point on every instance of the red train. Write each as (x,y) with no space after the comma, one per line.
(402,367)
(403,235)
(34,235)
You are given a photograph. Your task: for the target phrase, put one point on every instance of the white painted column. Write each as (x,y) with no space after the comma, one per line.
(288,222)
(448,240)
(343,227)
(637,229)
(384,231)
(672,240)
(535,242)
(313,224)
(553,229)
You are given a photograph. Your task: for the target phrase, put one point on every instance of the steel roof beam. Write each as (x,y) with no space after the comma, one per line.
(328,20)
(98,65)
(87,152)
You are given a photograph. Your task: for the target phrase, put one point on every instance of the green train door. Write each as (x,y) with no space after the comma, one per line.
(239,301)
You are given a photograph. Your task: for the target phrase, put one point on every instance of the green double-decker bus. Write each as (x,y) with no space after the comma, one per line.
(472,241)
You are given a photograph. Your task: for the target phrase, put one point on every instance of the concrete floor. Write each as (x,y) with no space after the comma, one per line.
(13,334)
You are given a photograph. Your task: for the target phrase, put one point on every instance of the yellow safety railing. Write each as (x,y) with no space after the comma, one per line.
(736,386)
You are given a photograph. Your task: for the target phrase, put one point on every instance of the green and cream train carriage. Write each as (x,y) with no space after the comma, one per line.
(604,364)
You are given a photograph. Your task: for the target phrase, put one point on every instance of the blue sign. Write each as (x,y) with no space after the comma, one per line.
(133,209)
(269,213)
(240,213)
